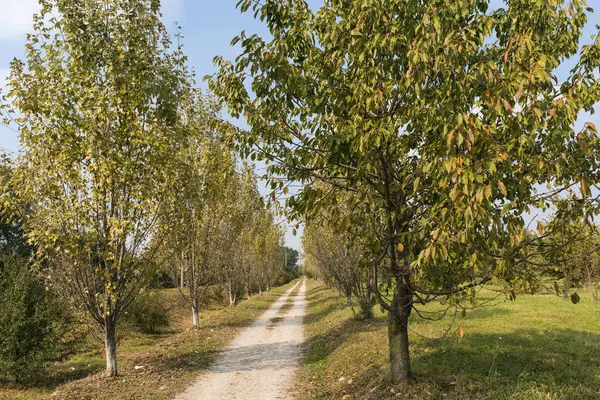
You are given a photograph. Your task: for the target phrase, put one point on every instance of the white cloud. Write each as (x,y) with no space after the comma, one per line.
(172,11)
(16,17)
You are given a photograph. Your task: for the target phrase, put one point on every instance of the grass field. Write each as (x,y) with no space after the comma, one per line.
(167,362)
(537,347)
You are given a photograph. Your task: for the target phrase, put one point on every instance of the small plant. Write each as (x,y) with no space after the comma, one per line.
(147,314)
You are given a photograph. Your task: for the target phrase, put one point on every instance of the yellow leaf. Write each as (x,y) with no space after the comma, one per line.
(479,196)
(540,227)
(400,247)
(502,188)
(488,191)
(584,187)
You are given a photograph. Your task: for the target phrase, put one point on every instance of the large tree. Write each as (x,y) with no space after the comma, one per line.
(97,104)
(447,119)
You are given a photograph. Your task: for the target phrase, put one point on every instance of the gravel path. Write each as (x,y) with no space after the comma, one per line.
(261,362)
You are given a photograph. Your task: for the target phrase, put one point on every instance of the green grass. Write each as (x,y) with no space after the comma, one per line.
(538,347)
(171,360)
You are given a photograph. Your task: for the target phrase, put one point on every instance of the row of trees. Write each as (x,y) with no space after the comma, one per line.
(570,256)
(120,171)
(439,124)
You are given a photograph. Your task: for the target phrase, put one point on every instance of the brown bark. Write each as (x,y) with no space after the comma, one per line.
(400,370)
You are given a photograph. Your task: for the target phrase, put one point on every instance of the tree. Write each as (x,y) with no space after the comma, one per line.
(444,118)
(291,258)
(97,101)
(12,239)
(573,252)
(32,320)
(338,258)
(290,270)
(269,249)
(252,241)
(193,212)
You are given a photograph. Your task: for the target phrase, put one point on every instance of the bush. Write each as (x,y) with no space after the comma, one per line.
(32,321)
(147,314)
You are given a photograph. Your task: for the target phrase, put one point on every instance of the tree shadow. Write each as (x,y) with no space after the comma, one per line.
(313,298)
(557,356)
(59,374)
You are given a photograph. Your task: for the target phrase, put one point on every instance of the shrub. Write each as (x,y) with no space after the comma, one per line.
(147,314)
(32,321)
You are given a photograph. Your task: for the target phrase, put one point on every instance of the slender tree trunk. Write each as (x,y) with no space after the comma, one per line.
(181,277)
(110,345)
(398,340)
(567,287)
(366,304)
(592,286)
(196,316)
(230,292)
(181,270)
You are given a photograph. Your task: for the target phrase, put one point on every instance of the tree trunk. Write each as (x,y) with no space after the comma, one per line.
(349,300)
(366,304)
(110,345)
(592,286)
(181,277)
(567,287)
(398,340)
(196,317)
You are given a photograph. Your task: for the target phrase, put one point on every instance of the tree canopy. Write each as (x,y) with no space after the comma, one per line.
(447,119)
(97,101)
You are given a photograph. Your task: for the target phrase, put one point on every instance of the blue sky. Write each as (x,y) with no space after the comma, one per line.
(208,27)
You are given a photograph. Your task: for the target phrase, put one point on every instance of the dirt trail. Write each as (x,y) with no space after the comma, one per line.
(262,360)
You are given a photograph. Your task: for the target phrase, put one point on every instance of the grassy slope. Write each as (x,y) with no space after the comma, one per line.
(538,347)
(170,360)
